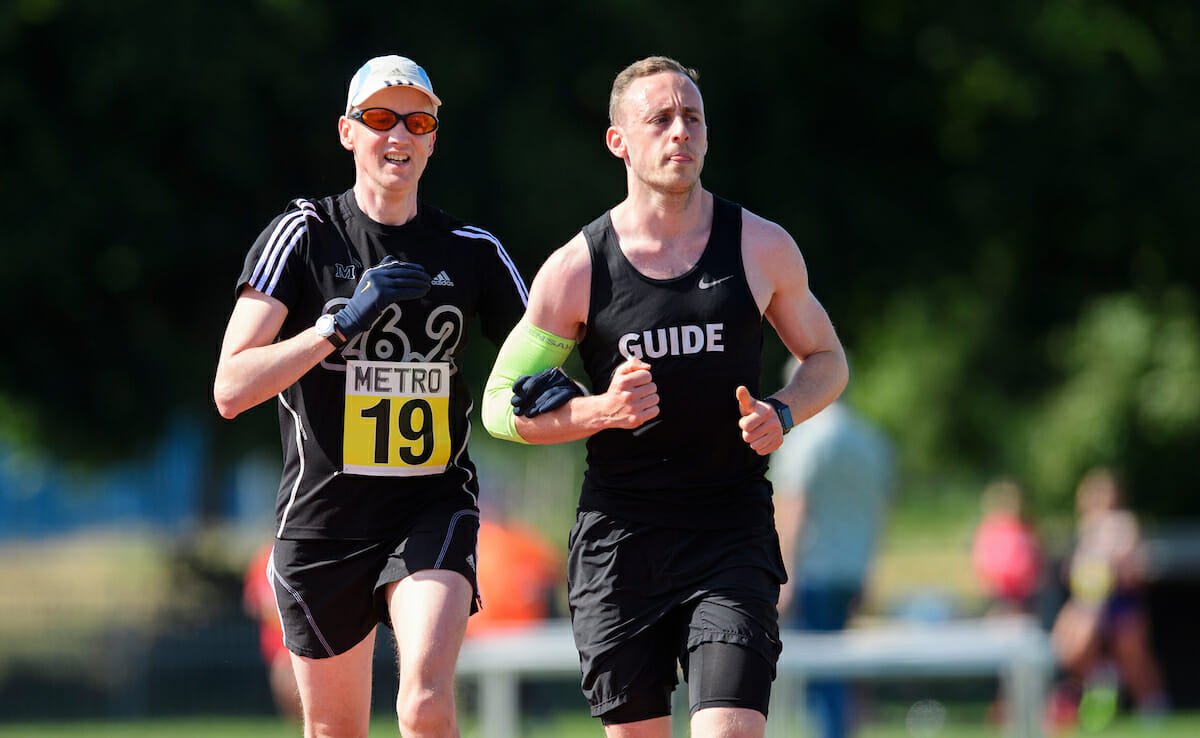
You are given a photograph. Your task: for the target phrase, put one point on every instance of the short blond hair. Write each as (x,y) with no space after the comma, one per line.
(644,68)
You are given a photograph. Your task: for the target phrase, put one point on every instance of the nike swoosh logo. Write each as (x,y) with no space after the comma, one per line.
(705,283)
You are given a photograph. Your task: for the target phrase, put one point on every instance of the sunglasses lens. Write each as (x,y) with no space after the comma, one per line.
(420,123)
(381,119)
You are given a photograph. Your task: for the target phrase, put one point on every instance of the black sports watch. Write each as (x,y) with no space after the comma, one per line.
(327,328)
(782,411)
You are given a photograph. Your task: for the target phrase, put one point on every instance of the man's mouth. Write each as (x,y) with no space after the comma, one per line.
(396,158)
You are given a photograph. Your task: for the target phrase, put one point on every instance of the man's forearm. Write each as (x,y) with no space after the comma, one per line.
(579,418)
(254,375)
(817,383)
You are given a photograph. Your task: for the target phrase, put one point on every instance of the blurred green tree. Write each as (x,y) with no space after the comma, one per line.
(994,200)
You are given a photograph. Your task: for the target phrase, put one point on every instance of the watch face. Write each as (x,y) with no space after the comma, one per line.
(327,329)
(783,411)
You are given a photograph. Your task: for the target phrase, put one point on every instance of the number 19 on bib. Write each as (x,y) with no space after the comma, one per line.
(397,421)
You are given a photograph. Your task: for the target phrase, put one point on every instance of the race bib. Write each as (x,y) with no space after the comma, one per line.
(397,420)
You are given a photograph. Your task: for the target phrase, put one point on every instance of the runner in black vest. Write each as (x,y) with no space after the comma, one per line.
(352,310)
(674,557)
(701,333)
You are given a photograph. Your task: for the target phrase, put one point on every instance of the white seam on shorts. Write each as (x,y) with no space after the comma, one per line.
(307,615)
(450,535)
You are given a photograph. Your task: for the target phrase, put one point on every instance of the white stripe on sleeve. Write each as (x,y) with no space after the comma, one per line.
(474,232)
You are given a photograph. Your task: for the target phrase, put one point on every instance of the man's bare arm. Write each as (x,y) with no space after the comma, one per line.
(253,367)
(778,277)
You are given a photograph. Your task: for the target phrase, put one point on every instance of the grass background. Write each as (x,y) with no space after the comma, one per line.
(565,726)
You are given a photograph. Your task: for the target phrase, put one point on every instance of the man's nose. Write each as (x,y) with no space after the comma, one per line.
(679,129)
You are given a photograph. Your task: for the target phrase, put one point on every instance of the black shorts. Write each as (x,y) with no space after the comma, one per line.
(331,593)
(644,597)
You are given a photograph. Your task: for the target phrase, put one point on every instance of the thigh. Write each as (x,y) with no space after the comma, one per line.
(443,537)
(325,593)
(729,690)
(429,612)
(724,675)
(623,618)
(631,681)
(734,598)
(427,589)
(335,692)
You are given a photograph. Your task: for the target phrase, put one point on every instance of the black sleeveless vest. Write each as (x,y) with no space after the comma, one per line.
(701,334)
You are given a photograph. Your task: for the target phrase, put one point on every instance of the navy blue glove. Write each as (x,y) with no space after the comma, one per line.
(381,285)
(534,394)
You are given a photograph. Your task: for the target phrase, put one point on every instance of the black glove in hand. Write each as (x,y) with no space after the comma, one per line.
(381,285)
(534,394)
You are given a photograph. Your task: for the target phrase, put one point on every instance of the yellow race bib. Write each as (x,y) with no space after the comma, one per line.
(397,421)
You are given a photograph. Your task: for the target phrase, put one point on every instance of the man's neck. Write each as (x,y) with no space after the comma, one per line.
(664,237)
(664,216)
(385,207)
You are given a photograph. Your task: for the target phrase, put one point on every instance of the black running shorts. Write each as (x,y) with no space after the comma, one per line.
(643,598)
(331,593)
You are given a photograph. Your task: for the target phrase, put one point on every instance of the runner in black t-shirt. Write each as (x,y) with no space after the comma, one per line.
(352,310)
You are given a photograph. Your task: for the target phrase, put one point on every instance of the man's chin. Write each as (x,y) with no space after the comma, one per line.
(679,186)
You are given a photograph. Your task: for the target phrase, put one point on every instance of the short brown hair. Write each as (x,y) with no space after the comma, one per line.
(644,68)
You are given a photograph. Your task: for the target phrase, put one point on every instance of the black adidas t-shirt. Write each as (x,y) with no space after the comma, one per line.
(361,455)
(701,333)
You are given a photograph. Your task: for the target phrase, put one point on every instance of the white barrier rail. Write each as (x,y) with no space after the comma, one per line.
(1014,649)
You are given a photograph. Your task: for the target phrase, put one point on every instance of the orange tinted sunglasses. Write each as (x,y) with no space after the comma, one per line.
(382,119)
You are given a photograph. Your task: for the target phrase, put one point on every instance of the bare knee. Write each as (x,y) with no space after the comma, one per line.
(729,722)
(334,727)
(426,713)
(325,720)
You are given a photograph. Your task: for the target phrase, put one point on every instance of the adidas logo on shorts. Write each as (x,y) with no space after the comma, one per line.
(442,280)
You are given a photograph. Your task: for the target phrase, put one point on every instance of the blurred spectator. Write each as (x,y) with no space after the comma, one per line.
(258,598)
(1101,635)
(1005,554)
(519,573)
(832,480)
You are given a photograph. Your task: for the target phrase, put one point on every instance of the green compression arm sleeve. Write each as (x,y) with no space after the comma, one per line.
(527,350)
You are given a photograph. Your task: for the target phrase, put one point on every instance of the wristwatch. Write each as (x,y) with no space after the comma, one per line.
(782,411)
(327,328)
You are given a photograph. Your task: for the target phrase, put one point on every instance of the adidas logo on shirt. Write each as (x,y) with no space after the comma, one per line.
(442,280)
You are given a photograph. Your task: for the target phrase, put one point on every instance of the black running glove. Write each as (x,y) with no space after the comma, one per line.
(381,285)
(534,394)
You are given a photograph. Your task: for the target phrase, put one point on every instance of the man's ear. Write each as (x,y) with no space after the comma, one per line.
(615,141)
(344,124)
